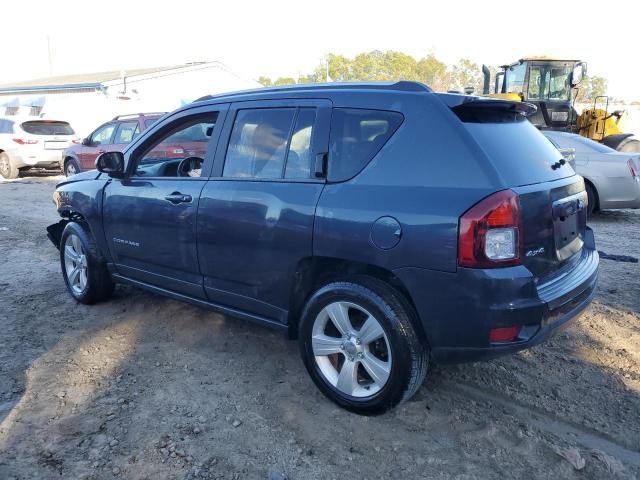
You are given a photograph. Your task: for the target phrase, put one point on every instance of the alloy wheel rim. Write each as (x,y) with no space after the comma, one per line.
(4,166)
(71,169)
(75,264)
(351,349)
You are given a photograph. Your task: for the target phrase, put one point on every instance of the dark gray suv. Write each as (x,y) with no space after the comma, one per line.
(384,225)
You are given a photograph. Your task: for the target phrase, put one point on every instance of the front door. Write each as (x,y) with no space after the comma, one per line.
(99,141)
(150,216)
(256,212)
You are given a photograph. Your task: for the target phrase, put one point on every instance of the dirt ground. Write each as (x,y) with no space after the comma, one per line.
(149,388)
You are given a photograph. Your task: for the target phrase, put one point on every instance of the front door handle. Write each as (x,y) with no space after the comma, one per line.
(177,197)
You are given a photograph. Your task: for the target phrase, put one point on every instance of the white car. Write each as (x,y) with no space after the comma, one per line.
(30,142)
(612,178)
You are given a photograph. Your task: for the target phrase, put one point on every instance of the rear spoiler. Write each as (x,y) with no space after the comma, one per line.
(492,111)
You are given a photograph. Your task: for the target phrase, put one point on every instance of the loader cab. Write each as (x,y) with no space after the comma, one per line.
(547,83)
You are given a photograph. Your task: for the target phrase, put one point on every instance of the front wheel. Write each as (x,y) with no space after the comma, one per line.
(83,268)
(360,346)
(592,200)
(71,167)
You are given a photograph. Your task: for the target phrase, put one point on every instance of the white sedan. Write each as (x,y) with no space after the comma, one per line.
(612,178)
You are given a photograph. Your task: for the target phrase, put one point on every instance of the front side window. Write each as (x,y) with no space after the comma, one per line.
(549,82)
(259,142)
(103,135)
(181,151)
(515,78)
(356,137)
(127,131)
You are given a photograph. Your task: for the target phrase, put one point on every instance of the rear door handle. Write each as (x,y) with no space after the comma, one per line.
(177,197)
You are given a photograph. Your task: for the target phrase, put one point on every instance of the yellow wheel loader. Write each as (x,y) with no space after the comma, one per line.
(553,85)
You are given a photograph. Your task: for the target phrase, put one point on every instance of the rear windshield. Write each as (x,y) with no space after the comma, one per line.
(521,154)
(580,144)
(47,127)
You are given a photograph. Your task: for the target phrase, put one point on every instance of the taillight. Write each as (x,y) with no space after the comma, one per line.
(490,233)
(633,169)
(504,334)
(22,141)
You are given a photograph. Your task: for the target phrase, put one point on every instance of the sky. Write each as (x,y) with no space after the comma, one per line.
(289,38)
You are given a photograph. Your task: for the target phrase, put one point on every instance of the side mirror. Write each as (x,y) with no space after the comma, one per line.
(111,163)
(86,141)
(578,74)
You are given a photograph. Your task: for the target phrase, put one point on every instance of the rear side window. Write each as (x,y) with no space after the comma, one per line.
(46,127)
(150,121)
(6,126)
(356,137)
(259,143)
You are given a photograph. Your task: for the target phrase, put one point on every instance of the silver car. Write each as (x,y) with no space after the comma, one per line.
(612,178)
(27,143)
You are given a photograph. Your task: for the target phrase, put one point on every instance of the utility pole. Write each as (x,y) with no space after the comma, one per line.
(49,55)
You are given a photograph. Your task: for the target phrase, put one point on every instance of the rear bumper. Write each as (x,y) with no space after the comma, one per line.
(458,310)
(37,159)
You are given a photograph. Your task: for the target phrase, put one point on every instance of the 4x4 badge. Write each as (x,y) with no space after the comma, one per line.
(534,252)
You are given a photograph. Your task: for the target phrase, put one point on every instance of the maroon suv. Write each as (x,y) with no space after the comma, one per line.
(114,135)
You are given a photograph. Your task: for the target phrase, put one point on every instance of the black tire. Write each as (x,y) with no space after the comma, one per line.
(409,352)
(99,286)
(71,167)
(7,169)
(592,199)
(629,144)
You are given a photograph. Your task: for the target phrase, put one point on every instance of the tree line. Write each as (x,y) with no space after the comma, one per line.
(392,65)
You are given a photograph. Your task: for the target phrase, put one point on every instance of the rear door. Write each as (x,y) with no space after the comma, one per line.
(150,215)
(255,221)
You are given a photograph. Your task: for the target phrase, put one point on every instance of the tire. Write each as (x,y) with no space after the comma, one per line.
(83,268)
(397,357)
(629,144)
(7,170)
(71,167)
(592,199)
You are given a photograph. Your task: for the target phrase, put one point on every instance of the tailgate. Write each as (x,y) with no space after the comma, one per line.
(554,219)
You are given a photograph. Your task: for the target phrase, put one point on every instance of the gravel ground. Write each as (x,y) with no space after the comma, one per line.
(147,387)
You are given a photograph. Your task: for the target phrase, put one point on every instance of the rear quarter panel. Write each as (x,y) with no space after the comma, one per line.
(610,175)
(425,177)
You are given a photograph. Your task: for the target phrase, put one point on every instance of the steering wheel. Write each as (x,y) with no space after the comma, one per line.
(190,167)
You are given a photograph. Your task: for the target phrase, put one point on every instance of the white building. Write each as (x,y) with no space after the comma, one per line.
(86,100)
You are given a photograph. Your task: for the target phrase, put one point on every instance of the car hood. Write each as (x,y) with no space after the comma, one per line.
(89,175)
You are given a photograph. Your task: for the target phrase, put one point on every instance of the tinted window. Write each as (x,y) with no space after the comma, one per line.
(188,139)
(258,143)
(45,127)
(127,131)
(6,126)
(299,156)
(356,137)
(150,121)
(521,154)
(103,135)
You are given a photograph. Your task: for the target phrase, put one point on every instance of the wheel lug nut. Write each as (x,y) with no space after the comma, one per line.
(358,341)
(360,355)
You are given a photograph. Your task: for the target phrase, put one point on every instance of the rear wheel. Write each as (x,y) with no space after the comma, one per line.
(83,269)
(7,170)
(71,167)
(629,144)
(359,345)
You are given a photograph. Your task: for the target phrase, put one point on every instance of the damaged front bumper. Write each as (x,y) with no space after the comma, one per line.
(54,232)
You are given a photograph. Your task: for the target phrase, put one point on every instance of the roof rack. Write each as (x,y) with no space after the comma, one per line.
(403,85)
(134,115)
